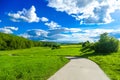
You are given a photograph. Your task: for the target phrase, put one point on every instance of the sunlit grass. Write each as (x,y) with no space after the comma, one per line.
(37,63)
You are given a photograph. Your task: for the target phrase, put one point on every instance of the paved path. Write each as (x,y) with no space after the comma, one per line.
(80,69)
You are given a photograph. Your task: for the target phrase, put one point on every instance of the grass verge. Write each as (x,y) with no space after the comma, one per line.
(109,63)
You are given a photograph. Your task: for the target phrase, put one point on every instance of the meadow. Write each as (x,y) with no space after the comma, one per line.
(39,63)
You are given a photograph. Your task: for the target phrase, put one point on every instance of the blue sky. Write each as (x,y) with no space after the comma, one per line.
(60,20)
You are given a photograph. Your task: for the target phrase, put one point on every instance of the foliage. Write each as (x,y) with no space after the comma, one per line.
(11,42)
(106,44)
(52,45)
(87,46)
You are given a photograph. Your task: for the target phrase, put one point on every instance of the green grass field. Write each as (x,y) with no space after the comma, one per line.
(39,63)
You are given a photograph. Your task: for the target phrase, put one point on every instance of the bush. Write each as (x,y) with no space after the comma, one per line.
(55,46)
(106,44)
(87,46)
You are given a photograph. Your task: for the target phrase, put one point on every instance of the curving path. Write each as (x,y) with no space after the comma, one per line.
(80,69)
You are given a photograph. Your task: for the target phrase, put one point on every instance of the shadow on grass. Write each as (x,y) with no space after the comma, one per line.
(92,53)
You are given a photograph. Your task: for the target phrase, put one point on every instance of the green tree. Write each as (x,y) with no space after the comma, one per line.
(3,44)
(106,44)
(87,46)
(10,42)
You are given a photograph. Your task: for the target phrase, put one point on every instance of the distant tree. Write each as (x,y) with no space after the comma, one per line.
(3,44)
(10,42)
(55,46)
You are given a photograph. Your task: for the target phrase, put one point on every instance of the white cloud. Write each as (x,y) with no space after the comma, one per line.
(35,34)
(11,28)
(4,30)
(56,37)
(59,32)
(73,38)
(25,15)
(82,35)
(52,25)
(8,29)
(55,27)
(55,31)
(97,32)
(60,35)
(85,35)
(63,34)
(25,35)
(73,30)
(87,11)
(69,38)
(44,19)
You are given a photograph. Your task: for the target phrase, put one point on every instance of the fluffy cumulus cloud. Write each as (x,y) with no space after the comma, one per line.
(58,34)
(72,30)
(25,15)
(11,28)
(85,34)
(8,29)
(87,11)
(93,34)
(63,34)
(52,25)
(55,31)
(74,38)
(44,19)
(35,34)
(69,34)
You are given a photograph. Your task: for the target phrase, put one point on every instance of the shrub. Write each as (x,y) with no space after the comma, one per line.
(106,44)
(87,46)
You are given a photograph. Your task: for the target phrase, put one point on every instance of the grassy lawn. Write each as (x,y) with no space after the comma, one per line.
(37,63)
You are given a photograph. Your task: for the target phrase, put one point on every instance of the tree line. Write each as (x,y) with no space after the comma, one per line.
(11,42)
